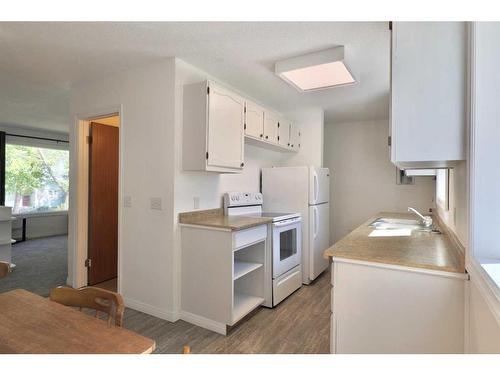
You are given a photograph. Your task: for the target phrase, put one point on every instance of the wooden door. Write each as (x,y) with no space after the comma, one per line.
(254,120)
(103,203)
(226,118)
(271,121)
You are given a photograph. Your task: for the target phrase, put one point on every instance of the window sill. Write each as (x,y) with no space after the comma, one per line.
(492,269)
(40,214)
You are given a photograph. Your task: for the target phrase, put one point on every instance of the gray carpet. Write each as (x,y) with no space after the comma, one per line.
(41,265)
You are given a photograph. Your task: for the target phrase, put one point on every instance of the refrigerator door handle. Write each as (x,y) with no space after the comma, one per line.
(316,219)
(316,187)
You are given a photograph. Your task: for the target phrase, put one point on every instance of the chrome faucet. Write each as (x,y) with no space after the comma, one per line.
(426,220)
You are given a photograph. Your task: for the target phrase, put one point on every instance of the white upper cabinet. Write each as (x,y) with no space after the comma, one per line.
(294,138)
(271,121)
(254,120)
(428,93)
(213,128)
(284,133)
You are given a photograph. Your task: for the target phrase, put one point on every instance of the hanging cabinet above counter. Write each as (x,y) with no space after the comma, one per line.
(226,120)
(428,94)
(267,129)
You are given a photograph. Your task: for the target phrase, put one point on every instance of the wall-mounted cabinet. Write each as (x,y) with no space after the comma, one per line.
(284,133)
(265,128)
(271,124)
(428,94)
(216,122)
(294,138)
(213,128)
(254,120)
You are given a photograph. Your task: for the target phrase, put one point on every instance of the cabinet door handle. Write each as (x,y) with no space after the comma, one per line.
(267,137)
(242,164)
(261,135)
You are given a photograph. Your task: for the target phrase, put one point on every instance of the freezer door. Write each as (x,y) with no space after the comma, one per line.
(319,185)
(319,238)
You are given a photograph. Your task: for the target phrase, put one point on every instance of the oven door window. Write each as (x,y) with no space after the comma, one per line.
(288,244)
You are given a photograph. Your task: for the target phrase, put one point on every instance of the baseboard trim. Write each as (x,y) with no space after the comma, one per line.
(204,322)
(171,316)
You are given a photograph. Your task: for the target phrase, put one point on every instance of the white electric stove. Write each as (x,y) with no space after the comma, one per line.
(285,231)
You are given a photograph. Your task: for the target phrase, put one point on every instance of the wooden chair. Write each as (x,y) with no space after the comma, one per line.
(93,298)
(4,269)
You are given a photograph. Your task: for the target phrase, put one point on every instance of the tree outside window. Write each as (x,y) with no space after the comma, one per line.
(36,179)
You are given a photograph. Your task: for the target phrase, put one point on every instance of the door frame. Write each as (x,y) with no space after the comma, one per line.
(79,199)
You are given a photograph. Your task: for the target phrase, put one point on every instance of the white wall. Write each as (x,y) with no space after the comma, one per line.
(146,96)
(364,179)
(311,124)
(484,242)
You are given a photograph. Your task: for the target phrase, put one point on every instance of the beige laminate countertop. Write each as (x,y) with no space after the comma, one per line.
(215,218)
(421,250)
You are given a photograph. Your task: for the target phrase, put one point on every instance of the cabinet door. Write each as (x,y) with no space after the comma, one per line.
(428,92)
(254,120)
(226,117)
(294,137)
(271,121)
(284,133)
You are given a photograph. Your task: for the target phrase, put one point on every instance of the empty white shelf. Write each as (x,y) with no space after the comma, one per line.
(242,268)
(243,304)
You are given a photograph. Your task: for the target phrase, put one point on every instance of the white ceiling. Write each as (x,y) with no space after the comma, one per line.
(40,61)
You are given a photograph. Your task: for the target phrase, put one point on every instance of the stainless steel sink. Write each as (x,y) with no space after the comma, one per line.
(391,223)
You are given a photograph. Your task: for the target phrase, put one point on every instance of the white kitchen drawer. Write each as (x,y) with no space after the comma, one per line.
(286,284)
(249,236)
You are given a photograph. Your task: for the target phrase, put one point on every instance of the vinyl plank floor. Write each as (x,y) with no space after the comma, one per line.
(300,324)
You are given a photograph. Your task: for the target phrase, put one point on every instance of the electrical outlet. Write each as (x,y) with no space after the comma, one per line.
(127,201)
(155,203)
(196,202)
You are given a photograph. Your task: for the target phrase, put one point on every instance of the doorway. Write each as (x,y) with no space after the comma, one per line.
(103,181)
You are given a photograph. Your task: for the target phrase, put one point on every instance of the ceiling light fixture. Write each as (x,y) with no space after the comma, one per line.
(316,71)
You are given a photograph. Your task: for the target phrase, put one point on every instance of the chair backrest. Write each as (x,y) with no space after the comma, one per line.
(4,269)
(93,298)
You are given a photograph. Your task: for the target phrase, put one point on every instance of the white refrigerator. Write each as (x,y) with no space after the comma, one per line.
(305,190)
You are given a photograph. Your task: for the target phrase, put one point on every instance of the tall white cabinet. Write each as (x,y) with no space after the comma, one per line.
(428,93)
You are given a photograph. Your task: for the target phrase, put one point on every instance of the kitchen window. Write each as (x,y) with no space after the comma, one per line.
(443,188)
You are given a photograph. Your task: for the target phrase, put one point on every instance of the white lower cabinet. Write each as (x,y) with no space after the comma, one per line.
(223,275)
(378,309)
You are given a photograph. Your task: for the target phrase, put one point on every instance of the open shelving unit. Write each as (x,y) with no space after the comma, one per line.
(243,304)
(242,268)
(248,279)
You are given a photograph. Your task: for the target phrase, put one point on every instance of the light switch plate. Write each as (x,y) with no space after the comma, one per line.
(127,201)
(196,202)
(155,203)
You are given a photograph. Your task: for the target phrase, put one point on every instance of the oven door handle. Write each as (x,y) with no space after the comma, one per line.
(286,224)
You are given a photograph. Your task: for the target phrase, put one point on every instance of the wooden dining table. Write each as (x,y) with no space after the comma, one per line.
(32,324)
